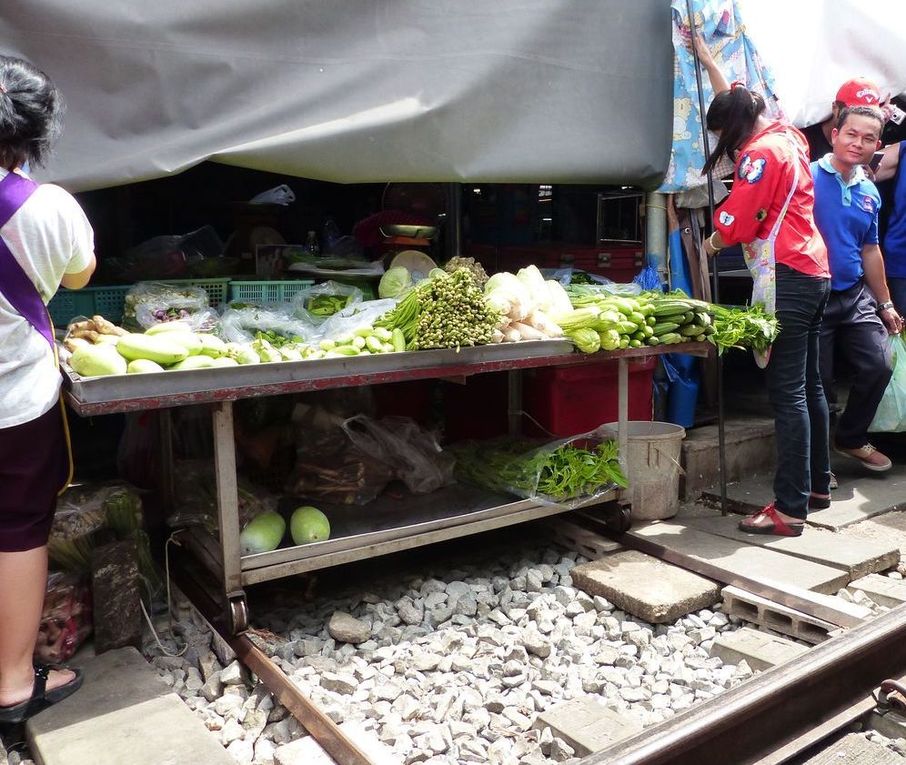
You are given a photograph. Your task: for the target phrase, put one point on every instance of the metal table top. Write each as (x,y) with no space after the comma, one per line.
(136,392)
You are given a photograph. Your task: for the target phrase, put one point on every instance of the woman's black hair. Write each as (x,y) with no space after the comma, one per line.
(734,113)
(31,113)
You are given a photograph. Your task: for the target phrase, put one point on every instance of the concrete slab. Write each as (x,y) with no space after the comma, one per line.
(759,649)
(122,714)
(855,749)
(889,527)
(749,450)
(858,557)
(587,725)
(881,589)
(645,586)
(861,495)
(740,558)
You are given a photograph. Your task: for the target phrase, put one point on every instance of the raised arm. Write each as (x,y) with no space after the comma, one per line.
(888,167)
(718,81)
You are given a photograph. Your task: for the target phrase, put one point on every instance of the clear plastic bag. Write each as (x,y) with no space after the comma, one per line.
(150,303)
(568,472)
(890,416)
(329,467)
(65,619)
(355,317)
(80,517)
(241,325)
(322,301)
(411,453)
(171,256)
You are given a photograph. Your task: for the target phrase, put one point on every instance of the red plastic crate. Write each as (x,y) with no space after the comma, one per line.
(569,400)
(562,401)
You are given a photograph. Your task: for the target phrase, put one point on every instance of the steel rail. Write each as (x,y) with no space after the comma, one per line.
(194,582)
(765,714)
(324,730)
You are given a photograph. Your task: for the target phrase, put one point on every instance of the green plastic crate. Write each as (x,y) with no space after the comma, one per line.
(108,301)
(267,292)
(88,301)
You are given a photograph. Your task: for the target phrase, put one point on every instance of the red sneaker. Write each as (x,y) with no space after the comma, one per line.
(870,457)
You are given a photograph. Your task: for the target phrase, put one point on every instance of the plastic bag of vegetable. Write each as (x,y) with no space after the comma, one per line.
(65,619)
(244,322)
(355,317)
(324,300)
(82,516)
(150,303)
(329,466)
(411,453)
(567,472)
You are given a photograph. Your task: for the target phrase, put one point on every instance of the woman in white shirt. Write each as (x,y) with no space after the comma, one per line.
(45,241)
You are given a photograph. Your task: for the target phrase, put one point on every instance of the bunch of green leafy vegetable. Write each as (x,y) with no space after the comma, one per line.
(736,327)
(567,472)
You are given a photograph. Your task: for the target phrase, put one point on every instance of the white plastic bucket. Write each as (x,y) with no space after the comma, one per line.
(653,467)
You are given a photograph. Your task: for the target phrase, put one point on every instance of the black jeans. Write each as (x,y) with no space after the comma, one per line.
(794,385)
(851,332)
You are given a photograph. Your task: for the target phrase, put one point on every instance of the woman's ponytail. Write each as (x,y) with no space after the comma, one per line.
(733,113)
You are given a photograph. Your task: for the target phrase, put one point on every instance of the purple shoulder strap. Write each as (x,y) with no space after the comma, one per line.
(15,284)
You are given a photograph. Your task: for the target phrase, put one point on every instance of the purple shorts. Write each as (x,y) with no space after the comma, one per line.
(34,463)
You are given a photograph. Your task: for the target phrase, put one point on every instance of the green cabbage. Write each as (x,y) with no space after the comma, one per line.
(395,282)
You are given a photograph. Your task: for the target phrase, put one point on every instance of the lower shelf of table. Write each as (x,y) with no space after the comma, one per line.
(385,526)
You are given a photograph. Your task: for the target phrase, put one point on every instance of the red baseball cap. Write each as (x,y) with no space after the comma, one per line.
(859,92)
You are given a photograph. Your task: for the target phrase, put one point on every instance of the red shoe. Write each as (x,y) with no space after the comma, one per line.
(869,456)
(768,521)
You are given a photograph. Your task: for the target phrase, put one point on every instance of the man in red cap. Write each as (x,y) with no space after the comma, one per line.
(858,91)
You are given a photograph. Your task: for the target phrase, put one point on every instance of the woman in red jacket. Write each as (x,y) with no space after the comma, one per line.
(770,212)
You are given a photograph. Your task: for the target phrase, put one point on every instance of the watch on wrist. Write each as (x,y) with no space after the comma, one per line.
(885,306)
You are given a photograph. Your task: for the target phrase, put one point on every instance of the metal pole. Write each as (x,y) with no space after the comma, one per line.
(454,220)
(715,293)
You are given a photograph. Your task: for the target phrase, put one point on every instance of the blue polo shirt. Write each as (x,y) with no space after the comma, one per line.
(847,217)
(895,238)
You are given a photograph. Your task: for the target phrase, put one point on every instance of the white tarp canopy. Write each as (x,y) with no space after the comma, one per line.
(813,46)
(356,90)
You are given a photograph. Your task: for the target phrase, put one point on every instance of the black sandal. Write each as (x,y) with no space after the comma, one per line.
(41,698)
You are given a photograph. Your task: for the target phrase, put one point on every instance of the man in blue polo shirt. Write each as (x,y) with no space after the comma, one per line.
(859,313)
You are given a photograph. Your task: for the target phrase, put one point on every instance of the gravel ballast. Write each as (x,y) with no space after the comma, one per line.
(455,666)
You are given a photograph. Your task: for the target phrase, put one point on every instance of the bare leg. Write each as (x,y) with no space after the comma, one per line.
(23,580)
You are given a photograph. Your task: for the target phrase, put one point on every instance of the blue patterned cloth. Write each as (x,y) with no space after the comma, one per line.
(723,30)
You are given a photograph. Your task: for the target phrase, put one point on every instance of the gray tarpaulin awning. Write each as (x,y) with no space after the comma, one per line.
(562,91)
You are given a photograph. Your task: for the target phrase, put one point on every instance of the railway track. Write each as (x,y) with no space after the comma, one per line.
(770,719)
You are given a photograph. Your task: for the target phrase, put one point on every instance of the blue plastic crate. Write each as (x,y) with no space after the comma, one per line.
(267,292)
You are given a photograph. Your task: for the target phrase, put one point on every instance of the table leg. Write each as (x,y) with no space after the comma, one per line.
(166,488)
(623,406)
(514,402)
(227,497)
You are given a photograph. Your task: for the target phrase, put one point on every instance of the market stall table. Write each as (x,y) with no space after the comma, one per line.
(451,512)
